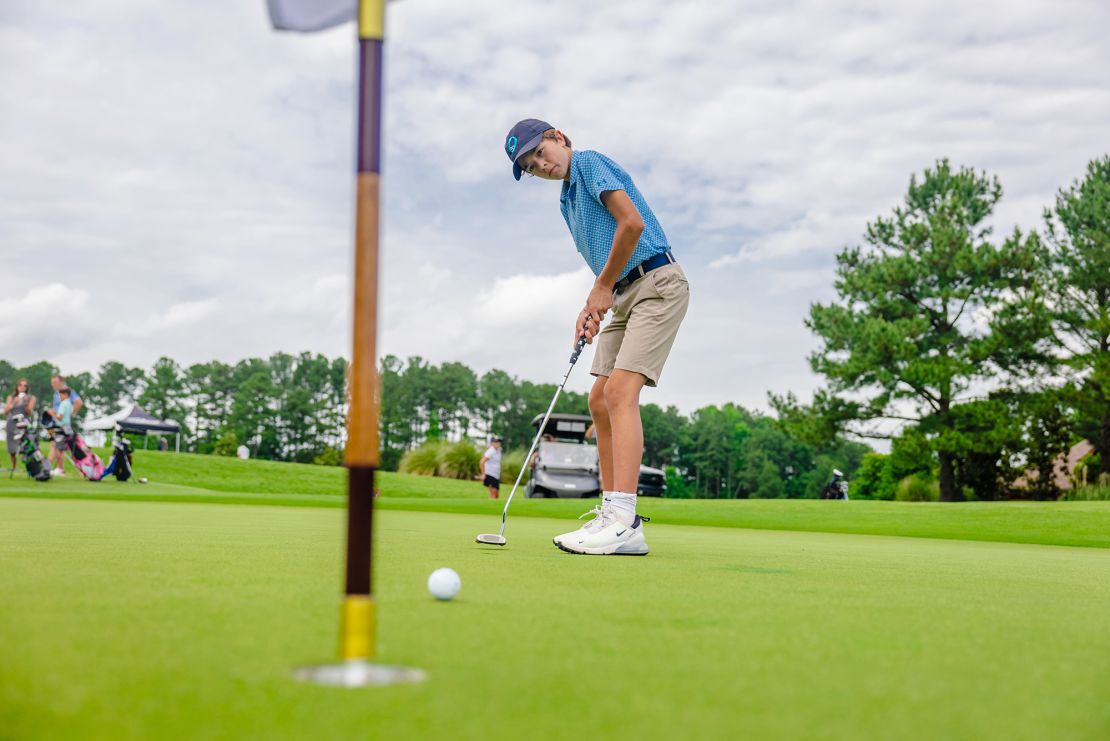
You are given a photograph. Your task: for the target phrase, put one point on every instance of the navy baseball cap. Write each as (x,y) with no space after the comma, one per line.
(523,138)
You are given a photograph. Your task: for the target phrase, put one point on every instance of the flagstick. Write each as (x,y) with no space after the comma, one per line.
(357,615)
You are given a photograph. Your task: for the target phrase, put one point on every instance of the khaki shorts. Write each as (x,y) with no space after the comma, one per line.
(642,328)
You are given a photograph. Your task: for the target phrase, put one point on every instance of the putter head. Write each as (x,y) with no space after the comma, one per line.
(491,539)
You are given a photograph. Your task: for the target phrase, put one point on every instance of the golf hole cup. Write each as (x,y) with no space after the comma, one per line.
(444,583)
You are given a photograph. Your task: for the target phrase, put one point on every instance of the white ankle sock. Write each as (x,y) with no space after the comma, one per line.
(606,500)
(623,506)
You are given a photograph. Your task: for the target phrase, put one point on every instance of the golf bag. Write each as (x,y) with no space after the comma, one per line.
(33,460)
(81,456)
(120,464)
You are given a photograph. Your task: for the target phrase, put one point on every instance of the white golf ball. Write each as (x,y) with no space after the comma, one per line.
(444,583)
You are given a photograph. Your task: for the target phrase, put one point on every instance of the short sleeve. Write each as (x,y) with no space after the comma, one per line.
(599,175)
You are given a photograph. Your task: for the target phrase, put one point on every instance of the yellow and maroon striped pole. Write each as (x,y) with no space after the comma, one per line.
(357,624)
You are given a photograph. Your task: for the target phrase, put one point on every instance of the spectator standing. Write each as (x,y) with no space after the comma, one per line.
(19,401)
(491,468)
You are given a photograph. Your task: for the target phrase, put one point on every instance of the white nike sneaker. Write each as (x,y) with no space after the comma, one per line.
(613,538)
(595,524)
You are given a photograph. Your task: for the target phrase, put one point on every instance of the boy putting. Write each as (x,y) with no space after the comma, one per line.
(638,279)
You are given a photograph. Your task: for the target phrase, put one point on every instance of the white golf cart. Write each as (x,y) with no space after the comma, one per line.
(565,463)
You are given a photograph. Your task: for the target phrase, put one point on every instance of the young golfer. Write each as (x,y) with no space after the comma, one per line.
(63,415)
(490,466)
(638,279)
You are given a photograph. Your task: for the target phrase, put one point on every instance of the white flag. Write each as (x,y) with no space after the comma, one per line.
(311,15)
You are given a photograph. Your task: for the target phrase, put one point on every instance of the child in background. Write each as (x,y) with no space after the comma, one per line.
(64,417)
(491,468)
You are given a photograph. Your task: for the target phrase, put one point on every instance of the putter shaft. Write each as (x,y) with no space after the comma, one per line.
(573,359)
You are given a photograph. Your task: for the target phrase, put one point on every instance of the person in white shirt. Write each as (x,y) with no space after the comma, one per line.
(491,468)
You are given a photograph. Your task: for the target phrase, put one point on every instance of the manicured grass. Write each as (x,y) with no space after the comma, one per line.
(143,619)
(193,478)
(1084,524)
(208,478)
(217,473)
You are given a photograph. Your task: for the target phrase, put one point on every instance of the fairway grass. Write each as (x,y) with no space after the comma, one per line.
(148,619)
(211,479)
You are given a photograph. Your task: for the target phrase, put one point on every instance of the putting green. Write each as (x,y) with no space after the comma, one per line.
(139,619)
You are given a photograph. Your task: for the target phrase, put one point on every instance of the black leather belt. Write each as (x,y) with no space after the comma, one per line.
(653,262)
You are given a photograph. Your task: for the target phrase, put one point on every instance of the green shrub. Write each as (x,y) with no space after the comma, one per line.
(911,453)
(329,457)
(677,488)
(391,459)
(511,461)
(227,445)
(875,478)
(1088,493)
(917,488)
(459,461)
(1087,472)
(423,461)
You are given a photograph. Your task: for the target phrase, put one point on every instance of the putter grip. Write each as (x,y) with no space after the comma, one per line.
(578,349)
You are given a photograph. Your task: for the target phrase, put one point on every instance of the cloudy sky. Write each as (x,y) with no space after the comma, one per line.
(175,178)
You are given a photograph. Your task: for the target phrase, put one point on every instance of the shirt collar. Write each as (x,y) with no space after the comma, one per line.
(569,185)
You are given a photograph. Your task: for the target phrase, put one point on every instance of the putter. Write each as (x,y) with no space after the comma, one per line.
(499,537)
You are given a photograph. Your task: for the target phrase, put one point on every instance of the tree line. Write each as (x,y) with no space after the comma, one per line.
(284,407)
(721,451)
(293,408)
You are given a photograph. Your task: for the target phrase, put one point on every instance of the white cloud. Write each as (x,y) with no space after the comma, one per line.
(51,316)
(184,316)
(528,300)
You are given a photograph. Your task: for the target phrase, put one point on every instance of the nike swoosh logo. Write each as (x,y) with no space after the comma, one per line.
(622,532)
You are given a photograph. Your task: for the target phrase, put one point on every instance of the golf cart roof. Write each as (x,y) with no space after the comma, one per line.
(565,426)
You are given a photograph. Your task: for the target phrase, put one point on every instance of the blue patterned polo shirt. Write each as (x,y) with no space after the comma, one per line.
(591,224)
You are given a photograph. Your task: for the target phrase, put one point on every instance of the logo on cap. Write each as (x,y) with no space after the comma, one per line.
(525,135)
